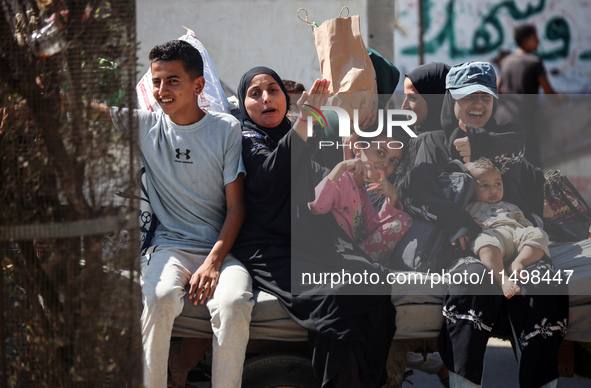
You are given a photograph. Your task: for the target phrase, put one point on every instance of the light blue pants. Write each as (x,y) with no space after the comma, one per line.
(164,275)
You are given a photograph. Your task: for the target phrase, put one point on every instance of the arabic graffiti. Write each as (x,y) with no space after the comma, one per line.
(489,35)
(557,29)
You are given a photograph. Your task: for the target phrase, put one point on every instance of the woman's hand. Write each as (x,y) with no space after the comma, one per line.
(463,144)
(383,187)
(315,99)
(462,241)
(317,96)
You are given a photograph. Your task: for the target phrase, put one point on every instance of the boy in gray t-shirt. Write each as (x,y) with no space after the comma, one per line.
(195,178)
(507,236)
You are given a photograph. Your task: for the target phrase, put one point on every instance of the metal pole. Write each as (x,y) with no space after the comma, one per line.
(421,33)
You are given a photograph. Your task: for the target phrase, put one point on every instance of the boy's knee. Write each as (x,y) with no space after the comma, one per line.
(163,296)
(234,299)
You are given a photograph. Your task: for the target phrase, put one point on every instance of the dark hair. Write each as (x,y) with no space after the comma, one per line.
(483,164)
(523,32)
(293,86)
(179,50)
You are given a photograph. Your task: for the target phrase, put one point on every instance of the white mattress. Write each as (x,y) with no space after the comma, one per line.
(417,315)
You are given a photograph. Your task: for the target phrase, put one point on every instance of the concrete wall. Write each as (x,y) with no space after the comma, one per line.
(240,34)
(462,30)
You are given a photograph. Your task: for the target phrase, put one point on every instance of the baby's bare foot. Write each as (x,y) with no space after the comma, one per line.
(518,269)
(509,288)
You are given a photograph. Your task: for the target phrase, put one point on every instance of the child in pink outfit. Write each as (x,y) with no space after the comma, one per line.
(343,193)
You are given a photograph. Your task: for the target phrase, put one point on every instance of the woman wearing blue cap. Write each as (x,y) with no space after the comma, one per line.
(538,315)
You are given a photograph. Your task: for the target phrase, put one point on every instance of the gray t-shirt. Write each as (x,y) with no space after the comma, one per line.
(187,168)
(520,74)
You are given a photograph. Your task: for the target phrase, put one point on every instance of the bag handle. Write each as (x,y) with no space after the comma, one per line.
(341,13)
(305,19)
(314,24)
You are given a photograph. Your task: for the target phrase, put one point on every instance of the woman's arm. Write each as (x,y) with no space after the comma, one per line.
(505,146)
(424,196)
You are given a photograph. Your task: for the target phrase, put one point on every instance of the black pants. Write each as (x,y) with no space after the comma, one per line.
(474,312)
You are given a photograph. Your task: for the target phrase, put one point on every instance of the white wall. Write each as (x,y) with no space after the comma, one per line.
(452,27)
(242,34)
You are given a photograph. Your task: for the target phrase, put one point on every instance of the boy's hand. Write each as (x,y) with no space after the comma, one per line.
(203,282)
(383,187)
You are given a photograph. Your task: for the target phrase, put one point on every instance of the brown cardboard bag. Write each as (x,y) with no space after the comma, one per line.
(344,61)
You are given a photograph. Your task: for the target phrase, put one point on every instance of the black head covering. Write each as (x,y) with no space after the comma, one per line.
(272,134)
(429,80)
(449,122)
(387,76)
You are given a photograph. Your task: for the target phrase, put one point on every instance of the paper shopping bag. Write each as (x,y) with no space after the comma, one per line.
(344,61)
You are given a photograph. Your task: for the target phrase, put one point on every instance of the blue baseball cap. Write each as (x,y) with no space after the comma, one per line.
(471,77)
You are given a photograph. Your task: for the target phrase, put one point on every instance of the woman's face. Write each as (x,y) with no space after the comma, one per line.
(265,102)
(475,109)
(414,101)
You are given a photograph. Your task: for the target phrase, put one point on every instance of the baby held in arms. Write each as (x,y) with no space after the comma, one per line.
(507,237)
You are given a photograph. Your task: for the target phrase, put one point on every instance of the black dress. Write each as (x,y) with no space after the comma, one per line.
(474,312)
(349,335)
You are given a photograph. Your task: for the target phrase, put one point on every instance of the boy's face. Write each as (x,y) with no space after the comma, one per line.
(380,156)
(489,185)
(475,109)
(531,44)
(414,101)
(265,102)
(176,91)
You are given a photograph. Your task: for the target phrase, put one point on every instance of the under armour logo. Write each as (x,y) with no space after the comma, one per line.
(185,154)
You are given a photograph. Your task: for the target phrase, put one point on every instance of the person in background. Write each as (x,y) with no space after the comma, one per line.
(523,73)
(296,89)
(293,87)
